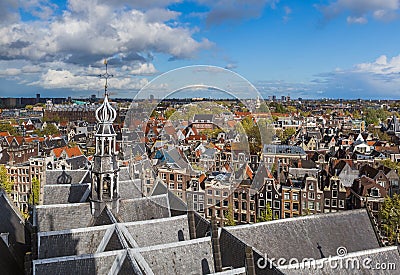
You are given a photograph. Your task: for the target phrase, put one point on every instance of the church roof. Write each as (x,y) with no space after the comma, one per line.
(310,236)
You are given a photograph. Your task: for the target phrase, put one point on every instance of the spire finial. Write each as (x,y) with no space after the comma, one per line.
(106,76)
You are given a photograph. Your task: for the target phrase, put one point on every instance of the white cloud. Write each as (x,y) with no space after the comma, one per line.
(357,20)
(73,43)
(359,10)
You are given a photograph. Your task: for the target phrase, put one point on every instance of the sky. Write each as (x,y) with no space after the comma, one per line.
(311,49)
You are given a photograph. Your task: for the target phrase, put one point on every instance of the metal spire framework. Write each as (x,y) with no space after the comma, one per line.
(106,76)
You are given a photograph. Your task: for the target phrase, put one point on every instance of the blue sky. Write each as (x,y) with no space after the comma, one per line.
(309,49)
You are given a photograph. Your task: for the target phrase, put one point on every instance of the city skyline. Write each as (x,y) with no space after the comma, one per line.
(319,49)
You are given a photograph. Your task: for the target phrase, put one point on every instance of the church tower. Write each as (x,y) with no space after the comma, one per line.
(105,188)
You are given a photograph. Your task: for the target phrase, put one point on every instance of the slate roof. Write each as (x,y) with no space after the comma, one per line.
(186,257)
(159,231)
(65,193)
(57,217)
(65,176)
(12,253)
(307,237)
(147,208)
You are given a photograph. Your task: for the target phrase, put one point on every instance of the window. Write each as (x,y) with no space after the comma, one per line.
(171,177)
(195,198)
(209,192)
(295,196)
(269,187)
(225,194)
(311,186)
(171,186)
(252,218)
(334,194)
(295,207)
(334,203)
(334,185)
(286,196)
(311,205)
(179,177)
(244,217)
(226,203)
(209,201)
(180,186)
(375,192)
(341,203)
(381,183)
(217,192)
(287,205)
(236,195)
(244,205)
(252,206)
(304,195)
(287,215)
(277,204)
(311,195)
(235,216)
(201,197)
(244,196)
(304,205)
(318,206)
(210,212)
(236,204)
(163,176)
(327,202)
(269,195)
(261,203)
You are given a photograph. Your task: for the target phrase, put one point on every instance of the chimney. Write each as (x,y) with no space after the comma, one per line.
(215,245)
(250,267)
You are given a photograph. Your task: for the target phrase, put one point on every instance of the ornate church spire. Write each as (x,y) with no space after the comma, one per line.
(105,188)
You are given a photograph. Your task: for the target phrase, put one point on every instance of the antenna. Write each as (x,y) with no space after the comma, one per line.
(106,76)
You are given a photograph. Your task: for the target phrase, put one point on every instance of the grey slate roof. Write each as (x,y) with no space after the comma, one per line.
(353,263)
(176,205)
(186,257)
(62,216)
(65,193)
(65,176)
(147,208)
(84,264)
(310,236)
(11,223)
(283,149)
(159,231)
(71,242)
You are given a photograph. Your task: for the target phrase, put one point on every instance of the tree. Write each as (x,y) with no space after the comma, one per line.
(5,183)
(169,112)
(34,196)
(229,216)
(390,217)
(266,215)
(7,127)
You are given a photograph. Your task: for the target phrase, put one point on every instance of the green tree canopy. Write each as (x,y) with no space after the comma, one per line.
(34,196)
(7,127)
(5,183)
(390,217)
(266,215)
(230,221)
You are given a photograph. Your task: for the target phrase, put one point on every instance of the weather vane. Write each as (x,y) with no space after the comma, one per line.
(106,76)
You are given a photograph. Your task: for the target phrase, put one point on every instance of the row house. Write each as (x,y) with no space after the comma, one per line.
(21,175)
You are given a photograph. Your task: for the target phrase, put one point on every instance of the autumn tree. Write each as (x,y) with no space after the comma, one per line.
(7,127)
(266,215)
(5,183)
(34,196)
(390,217)
(230,221)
